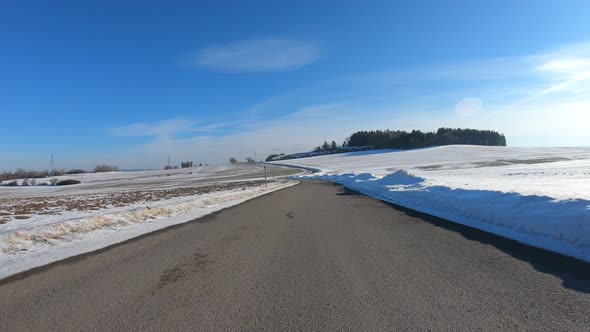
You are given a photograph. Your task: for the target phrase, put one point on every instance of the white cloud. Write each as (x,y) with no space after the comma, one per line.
(257,55)
(167,128)
(564,69)
(568,73)
(298,131)
(163,128)
(315,111)
(570,67)
(468,106)
(567,69)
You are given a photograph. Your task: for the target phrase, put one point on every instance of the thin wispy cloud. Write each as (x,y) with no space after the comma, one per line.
(564,70)
(166,128)
(317,111)
(567,73)
(257,55)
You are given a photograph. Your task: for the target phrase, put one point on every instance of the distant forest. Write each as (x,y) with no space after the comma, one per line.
(390,139)
(396,139)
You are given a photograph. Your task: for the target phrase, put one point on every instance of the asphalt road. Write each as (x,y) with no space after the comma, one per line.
(310,257)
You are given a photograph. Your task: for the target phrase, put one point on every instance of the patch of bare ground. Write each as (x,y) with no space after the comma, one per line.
(22,208)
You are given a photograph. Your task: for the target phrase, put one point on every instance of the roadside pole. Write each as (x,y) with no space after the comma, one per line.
(264,176)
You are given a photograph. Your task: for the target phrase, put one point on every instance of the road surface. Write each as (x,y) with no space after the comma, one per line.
(310,257)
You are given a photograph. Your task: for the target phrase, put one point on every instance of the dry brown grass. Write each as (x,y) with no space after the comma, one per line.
(22,208)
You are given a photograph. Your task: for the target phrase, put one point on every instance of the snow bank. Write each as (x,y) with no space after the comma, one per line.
(539,196)
(33,243)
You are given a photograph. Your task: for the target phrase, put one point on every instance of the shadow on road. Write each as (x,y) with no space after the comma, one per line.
(574,273)
(347,192)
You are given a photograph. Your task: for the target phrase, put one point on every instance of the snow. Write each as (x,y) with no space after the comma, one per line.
(538,196)
(340,149)
(109,182)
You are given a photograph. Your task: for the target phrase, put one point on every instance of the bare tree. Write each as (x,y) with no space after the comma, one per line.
(105,168)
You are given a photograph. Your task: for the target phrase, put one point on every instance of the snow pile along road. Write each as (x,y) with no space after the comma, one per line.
(539,196)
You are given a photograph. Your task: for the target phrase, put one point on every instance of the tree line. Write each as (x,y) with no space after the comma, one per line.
(21,173)
(184,164)
(396,139)
(328,146)
(324,149)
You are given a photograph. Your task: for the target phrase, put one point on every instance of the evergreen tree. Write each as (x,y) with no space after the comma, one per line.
(417,139)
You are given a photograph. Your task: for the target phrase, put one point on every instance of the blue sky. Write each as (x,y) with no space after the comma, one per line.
(131,82)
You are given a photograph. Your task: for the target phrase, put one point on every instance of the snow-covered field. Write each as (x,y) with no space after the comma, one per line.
(109,182)
(539,196)
(40,225)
